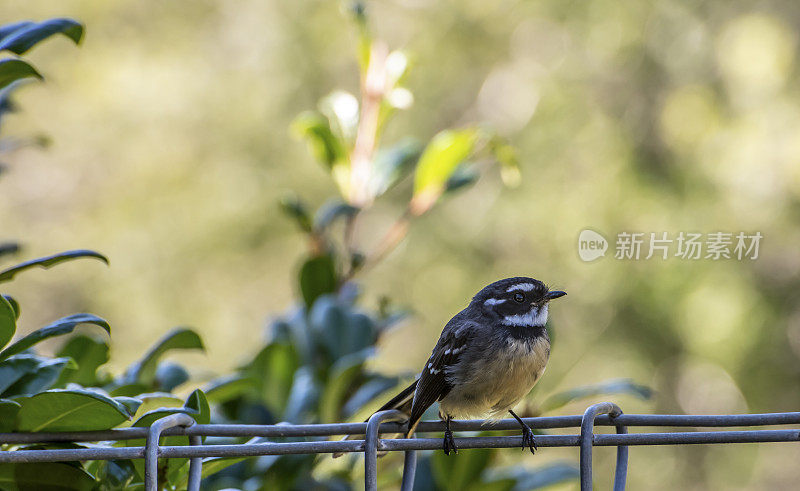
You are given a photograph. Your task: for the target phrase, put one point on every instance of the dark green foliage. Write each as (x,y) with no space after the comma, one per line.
(13,70)
(47,262)
(22,36)
(318,277)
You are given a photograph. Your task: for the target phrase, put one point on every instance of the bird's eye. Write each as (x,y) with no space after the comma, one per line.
(519,297)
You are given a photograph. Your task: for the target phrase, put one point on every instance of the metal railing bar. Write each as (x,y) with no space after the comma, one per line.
(400,444)
(587,443)
(283,430)
(371,442)
(698,437)
(151,452)
(195,467)
(409,469)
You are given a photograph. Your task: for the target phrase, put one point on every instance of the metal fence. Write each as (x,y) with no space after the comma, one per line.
(602,414)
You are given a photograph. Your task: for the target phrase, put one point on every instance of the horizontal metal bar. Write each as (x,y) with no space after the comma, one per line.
(698,437)
(283,430)
(400,444)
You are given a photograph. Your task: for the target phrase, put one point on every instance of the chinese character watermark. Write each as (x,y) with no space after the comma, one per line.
(714,246)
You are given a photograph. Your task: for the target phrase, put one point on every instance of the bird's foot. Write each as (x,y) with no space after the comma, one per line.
(449,443)
(528,440)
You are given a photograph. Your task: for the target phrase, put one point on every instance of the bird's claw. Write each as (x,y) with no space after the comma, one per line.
(449,443)
(528,440)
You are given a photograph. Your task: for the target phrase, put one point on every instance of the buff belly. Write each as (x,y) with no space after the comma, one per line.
(497,383)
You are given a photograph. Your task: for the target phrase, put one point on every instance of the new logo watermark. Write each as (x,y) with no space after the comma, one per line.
(684,245)
(591,245)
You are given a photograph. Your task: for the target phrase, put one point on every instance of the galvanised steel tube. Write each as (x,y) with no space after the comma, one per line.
(283,430)
(698,437)
(587,441)
(152,448)
(371,446)
(400,444)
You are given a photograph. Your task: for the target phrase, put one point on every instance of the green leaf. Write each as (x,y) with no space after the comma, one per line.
(8,415)
(40,377)
(27,36)
(303,396)
(45,476)
(375,386)
(114,474)
(296,209)
(89,354)
(132,404)
(393,164)
(8,320)
(170,375)
(8,29)
(227,388)
(341,381)
(70,410)
(6,247)
(57,328)
(316,129)
(152,402)
(49,261)
(332,210)
(445,152)
(617,386)
(539,477)
(198,402)
(12,70)
(317,277)
(340,329)
(506,155)
(14,305)
(272,370)
(463,472)
(211,466)
(17,367)
(144,371)
(461,178)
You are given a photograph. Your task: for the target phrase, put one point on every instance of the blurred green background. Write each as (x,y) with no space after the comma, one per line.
(170,148)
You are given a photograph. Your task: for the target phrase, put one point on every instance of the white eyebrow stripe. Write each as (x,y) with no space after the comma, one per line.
(493,301)
(526,287)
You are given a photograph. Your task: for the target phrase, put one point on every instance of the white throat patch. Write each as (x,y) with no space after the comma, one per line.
(537,316)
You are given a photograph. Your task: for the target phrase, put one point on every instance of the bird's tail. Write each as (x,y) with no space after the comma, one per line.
(401,402)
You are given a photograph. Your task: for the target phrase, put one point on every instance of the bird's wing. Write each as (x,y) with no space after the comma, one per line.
(432,384)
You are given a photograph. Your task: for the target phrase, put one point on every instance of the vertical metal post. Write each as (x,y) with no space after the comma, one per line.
(621,472)
(195,467)
(587,440)
(371,445)
(152,449)
(409,469)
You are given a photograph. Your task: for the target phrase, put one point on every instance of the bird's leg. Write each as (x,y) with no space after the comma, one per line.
(527,434)
(449,443)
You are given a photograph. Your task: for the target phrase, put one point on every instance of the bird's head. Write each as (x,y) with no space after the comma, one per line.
(518,301)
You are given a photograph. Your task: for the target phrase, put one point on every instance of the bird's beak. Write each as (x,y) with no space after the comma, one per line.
(554,294)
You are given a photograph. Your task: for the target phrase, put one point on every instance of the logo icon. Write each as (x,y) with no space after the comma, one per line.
(591,245)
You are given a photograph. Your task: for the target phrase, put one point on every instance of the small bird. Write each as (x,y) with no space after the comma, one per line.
(489,356)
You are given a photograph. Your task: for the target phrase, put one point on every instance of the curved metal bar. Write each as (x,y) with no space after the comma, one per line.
(409,469)
(587,440)
(151,449)
(371,445)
